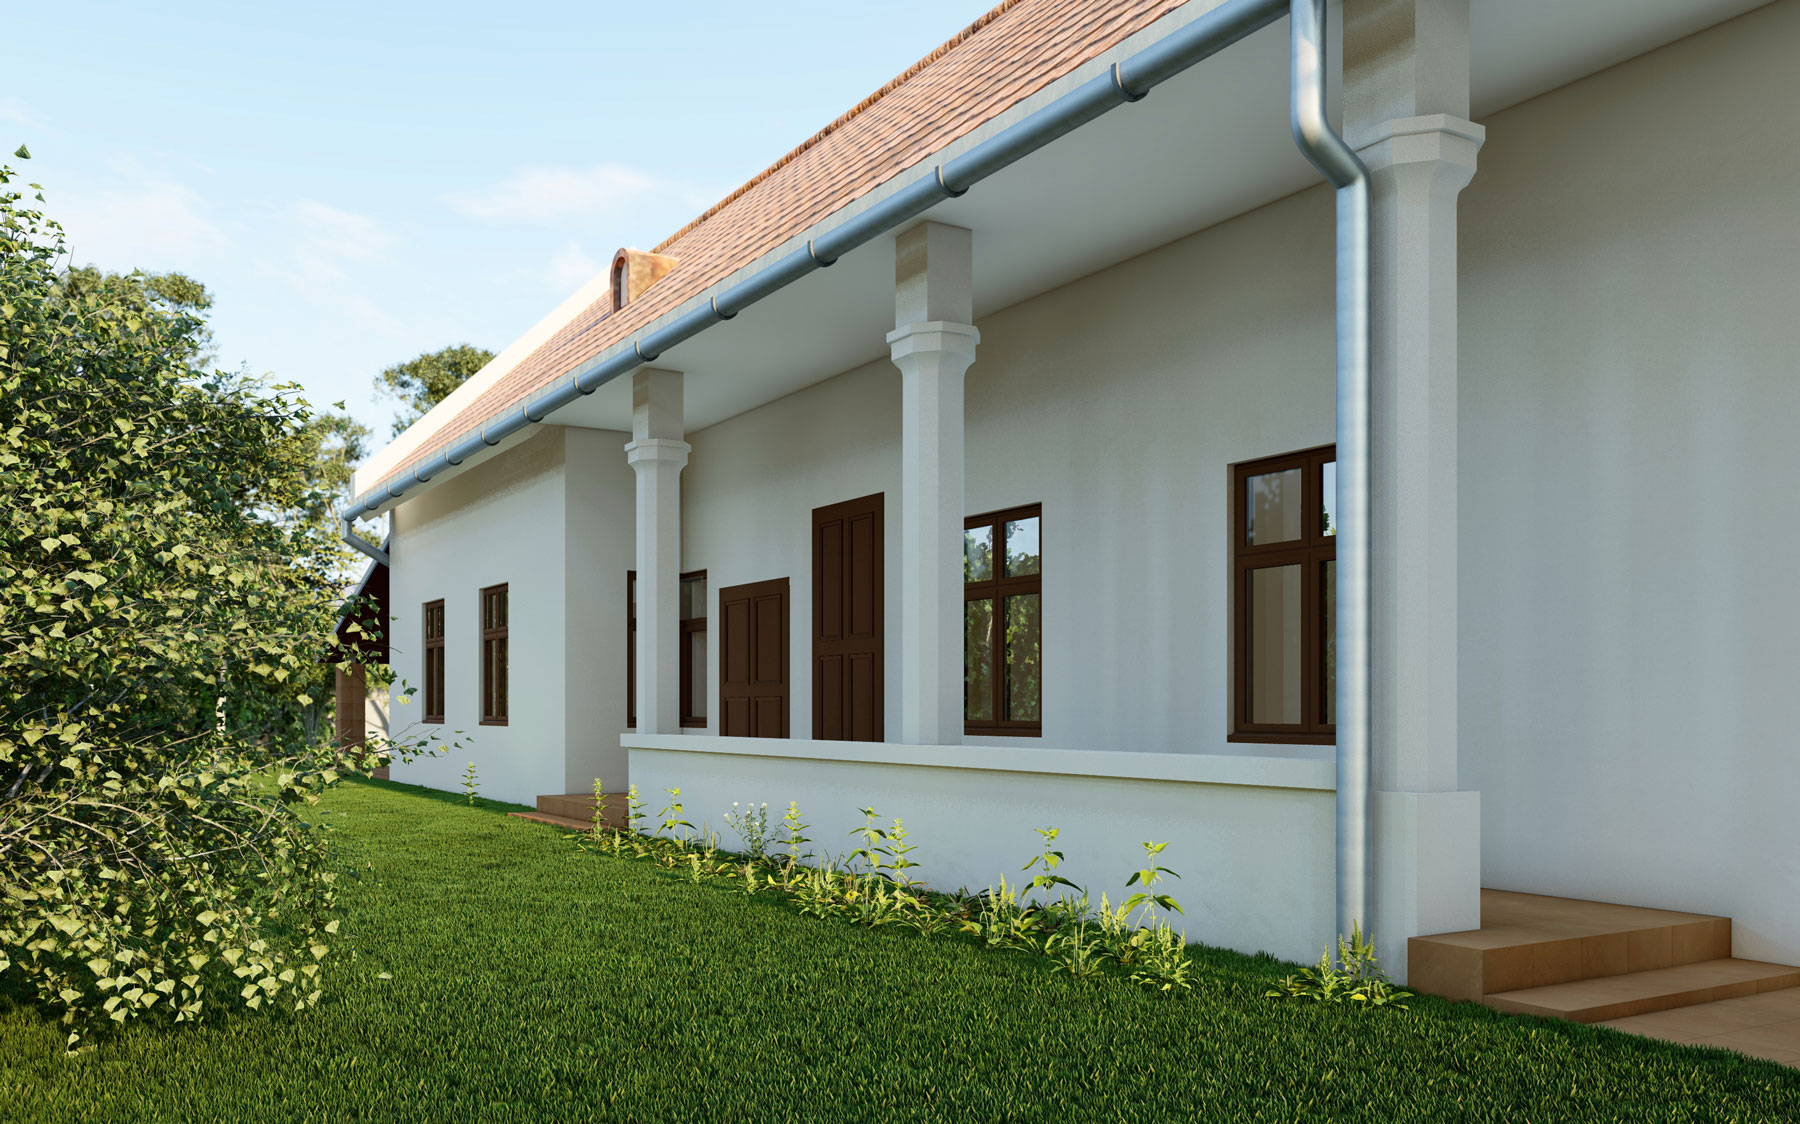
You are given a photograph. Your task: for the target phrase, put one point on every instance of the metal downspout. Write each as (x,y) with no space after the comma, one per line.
(1338,161)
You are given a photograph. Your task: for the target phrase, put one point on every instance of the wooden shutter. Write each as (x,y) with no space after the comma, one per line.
(847,620)
(753,660)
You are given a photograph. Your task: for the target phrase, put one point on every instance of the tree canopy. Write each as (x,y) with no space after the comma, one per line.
(422,382)
(169,587)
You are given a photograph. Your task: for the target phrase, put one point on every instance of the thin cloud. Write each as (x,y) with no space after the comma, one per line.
(145,222)
(14,111)
(571,268)
(546,194)
(327,236)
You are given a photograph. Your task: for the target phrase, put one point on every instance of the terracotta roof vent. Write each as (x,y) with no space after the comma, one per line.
(634,271)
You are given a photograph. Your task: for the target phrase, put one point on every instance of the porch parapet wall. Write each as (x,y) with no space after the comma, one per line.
(1306,767)
(1250,835)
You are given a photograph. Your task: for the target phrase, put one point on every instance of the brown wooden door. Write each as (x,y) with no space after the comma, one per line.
(847,621)
(753,660)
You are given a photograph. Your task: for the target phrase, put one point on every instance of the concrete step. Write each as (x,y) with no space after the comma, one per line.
(580,806)
(554,821)
(1530,941)
(1639,993)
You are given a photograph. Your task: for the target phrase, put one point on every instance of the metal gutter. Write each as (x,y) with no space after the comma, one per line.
(1126,81)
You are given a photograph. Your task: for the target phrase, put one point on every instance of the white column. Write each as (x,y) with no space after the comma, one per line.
(1406,97)
(658,454)
(933,344)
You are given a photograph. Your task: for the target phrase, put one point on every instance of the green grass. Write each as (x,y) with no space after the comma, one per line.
(532,981)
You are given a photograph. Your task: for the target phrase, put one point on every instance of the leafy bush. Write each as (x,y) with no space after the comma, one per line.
(168,590)
(1355,979)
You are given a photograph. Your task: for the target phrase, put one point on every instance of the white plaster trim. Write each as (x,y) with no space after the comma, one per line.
(947,336)
(1274,767)
(658,449)
(1416,126)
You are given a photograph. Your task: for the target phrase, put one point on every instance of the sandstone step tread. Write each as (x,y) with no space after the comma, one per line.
(1509,918)
(554,821)
(1637,993)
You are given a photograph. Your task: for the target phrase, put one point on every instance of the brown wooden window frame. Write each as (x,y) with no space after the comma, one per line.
(1310,552)
(689,626)
(631,649)
(432,612)
(495,681)
(999,588)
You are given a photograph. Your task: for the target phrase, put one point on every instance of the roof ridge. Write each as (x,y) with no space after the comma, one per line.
(843,119)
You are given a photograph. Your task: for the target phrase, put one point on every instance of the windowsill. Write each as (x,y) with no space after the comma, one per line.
(439,721)
(493,722)
(1283,766)
(1283,739)
(1000,732)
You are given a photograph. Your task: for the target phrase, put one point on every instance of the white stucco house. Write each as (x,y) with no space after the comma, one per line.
(1355,444)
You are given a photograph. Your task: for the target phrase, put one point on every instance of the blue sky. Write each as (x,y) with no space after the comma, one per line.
(357,183)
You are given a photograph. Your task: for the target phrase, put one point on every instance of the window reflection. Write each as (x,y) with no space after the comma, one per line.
(978,660)
(1022,551)
(978,554)
(1275,645)
(1275,507)
(1024,652)
(1330,498)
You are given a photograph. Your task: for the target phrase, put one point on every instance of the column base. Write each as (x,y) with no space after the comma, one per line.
(1427,869)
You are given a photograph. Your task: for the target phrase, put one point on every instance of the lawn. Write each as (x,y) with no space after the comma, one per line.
(533,981)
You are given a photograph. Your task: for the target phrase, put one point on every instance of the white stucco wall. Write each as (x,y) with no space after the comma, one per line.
(537,518)
(1629,529)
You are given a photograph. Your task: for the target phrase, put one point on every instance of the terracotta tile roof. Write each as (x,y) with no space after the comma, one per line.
(1008,54)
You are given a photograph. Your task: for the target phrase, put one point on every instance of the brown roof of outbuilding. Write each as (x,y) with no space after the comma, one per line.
(1008,54)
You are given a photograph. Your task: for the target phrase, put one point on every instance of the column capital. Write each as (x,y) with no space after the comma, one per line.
(1435,138)
(657,450)
(933,335)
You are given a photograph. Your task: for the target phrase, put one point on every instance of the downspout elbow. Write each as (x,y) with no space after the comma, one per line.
(359,544)
(1307,116)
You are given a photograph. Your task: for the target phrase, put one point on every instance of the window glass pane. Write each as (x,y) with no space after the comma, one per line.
(1024,649)
(1022,547)
(1331,643)
(978,660)
(978,554)
(697,660)
(1274,656)
(1330,498)
(1275,507)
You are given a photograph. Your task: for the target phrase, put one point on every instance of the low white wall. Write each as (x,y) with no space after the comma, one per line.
(1255,856)
(1629,531)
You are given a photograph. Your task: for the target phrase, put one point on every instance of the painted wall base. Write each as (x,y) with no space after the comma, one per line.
(1255,862)
(1427,869)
